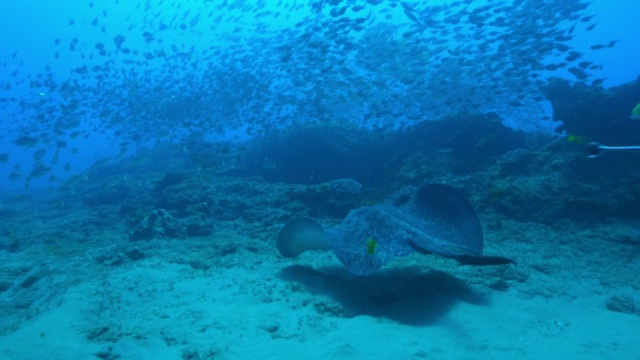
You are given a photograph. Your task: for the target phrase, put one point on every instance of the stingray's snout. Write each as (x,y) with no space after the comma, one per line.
(299,235)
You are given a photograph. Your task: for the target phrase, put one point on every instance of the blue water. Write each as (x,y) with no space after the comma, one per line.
(152,151)
(232,69)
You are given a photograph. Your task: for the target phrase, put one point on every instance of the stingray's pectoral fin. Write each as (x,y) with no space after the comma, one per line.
(419,249)
(299,235)
(482,260)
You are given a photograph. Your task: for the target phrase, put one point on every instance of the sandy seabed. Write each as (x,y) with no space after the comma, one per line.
(71,292)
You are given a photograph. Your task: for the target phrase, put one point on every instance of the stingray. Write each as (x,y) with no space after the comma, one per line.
(437,219)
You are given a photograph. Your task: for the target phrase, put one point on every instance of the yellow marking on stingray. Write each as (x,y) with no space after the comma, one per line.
(372,244)
(635,113)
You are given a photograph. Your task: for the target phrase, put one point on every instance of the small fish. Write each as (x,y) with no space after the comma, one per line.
(25,141)
(635,113)
(576,139)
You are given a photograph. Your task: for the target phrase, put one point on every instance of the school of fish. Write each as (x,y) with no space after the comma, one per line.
(184,67)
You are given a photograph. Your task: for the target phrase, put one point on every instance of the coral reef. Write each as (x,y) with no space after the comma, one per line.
(595,113)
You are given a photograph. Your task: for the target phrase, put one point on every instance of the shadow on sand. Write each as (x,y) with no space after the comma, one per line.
(410,296)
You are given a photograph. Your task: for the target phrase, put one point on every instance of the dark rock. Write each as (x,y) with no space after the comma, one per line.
(158,224)
(110,258)
(101,195)
(228,249)
(596,113)
(127,209)
(4,286)
(97,332)
(9,244)
(170,179)
(515,162)
(499,285)
(29,281)
(621,303)
(334,198)
(106,354)
(7,212)
(135,255)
